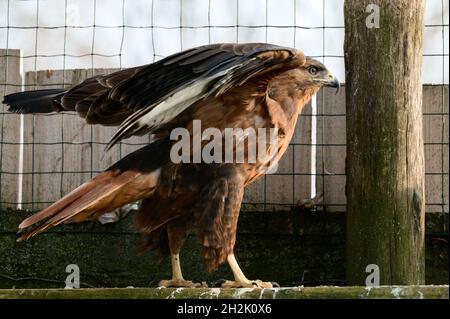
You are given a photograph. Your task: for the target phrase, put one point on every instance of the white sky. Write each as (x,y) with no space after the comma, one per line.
(141,43)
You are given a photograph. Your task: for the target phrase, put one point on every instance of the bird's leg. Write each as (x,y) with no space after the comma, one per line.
(177,276)
(176,233)
(240,281)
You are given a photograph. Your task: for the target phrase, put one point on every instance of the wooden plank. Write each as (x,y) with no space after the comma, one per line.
(10,82)
(280,183)
(331,150)
(322,292)
(435,127)
(43,152)
(302,156)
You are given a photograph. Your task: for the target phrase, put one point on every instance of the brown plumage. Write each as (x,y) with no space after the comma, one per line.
(247,86)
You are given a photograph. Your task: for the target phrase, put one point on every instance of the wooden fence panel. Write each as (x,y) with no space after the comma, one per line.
(436,131)
(302,155)
(10,82)
(331,149)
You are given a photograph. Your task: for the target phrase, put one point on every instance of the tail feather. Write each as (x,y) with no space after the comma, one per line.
(57,206)
(38,101)
(102,194)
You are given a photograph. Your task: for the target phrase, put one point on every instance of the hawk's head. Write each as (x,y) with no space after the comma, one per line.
(313,73)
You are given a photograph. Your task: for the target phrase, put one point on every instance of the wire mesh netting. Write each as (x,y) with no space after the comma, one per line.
(54,43)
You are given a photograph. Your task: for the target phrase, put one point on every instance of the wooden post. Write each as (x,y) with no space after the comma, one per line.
(385,159)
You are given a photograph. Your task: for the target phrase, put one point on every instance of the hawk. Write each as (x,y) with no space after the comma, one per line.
(249,86)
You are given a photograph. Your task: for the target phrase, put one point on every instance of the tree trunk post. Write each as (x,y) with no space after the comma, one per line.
(385,152)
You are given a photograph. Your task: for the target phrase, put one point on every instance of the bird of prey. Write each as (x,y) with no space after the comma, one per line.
(246,86)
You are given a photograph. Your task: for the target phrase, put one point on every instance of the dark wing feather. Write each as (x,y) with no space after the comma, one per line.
(91,98)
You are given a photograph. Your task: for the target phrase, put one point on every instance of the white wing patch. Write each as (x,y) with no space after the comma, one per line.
(174,105)
(165,111)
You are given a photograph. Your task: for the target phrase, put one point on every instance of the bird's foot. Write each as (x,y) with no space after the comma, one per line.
(247,284)
(181,283)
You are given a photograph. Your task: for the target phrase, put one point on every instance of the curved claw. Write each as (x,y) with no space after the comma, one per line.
(275,284)
(247,284)
(181,283)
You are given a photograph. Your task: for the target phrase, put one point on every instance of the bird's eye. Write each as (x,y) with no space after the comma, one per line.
(312,70)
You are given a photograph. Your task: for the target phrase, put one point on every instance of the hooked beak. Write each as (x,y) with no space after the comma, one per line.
(333,82)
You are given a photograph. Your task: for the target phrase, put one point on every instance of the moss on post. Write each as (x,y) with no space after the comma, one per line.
(385,159)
